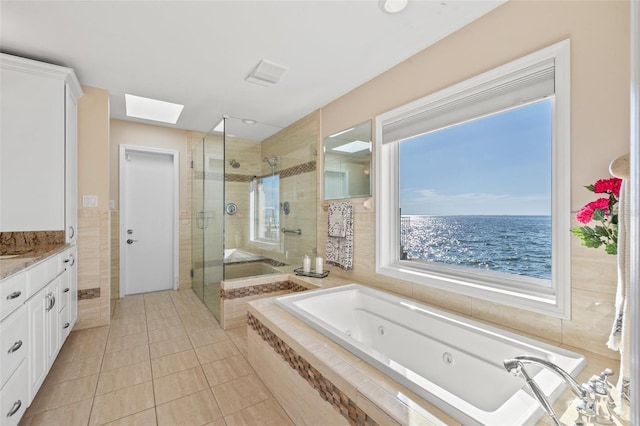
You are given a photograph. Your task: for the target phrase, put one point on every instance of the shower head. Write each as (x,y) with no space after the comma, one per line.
(271,162)
(234,164)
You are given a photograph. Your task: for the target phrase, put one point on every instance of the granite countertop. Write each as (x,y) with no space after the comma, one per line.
(14,262)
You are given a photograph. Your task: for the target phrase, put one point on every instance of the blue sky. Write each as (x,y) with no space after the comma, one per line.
(496,165)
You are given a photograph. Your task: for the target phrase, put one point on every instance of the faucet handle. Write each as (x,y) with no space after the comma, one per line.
(604,376)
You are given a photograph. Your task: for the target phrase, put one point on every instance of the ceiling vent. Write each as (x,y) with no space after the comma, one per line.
(266,73)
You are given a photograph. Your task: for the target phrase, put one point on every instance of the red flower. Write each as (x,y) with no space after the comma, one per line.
(610,186)
(586,213)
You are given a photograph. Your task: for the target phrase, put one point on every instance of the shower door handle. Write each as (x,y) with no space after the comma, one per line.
(202,220)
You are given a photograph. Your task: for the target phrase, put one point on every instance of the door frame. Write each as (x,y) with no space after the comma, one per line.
(122,174)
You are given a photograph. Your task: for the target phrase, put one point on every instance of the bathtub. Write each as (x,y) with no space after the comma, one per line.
(452,362)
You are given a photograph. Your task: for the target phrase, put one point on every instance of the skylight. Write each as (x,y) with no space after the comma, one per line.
(355,146)
(152,109)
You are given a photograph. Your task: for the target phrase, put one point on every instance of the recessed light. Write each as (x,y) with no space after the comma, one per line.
(248,121)
(352,147)
(152,109)
(392,6)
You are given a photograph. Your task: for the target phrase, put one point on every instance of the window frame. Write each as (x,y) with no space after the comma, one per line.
(256,212)
(495,287)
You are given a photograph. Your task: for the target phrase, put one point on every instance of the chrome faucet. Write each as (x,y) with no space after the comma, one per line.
(595,403)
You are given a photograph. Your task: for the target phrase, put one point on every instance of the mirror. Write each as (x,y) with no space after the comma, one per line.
(347,163)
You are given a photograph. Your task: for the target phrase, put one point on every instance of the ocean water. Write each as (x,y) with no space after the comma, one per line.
(518,245)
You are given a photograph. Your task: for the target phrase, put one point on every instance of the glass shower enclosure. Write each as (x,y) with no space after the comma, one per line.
(207,229)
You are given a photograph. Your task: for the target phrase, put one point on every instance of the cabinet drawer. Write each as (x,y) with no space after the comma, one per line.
(13,342)
(12,293)
(41,274)
(14,397)
(64,324)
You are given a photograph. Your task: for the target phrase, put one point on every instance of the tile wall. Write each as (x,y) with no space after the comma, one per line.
(94,267)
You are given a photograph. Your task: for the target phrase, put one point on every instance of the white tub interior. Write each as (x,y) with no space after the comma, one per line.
(453,362)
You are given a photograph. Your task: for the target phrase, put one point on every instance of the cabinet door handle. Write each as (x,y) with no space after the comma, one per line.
(14,295)
(17,345)
(15,408)
(73,259)
(53,301)
(66,290)
(66,325)
(72,232)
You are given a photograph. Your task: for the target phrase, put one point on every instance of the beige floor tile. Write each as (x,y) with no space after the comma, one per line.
(219,422)
(192,323)
(265,413)
(60,394)
(89,336)
(143,418)
(76,414)
(129,319)
(168,347)
(207,336)
(158,323)
(179,384)
(113,360)
(174,363)
(70,353)
(162,313)
(195,409)
(167,333)
(115,344)
(216,351)
(121,403)
(237,332)
(240,393)
(241,344)
(126,329)
(124,377)
(61,372)
(226,369)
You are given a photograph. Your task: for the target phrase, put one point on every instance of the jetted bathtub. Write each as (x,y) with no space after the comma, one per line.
(452,362)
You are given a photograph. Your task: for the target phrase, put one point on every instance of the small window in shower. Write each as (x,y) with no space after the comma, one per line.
(264,199)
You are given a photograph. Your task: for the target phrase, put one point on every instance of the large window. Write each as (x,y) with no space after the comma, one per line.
(474,183)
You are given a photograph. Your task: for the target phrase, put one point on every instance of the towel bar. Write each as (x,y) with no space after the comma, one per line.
(291,231)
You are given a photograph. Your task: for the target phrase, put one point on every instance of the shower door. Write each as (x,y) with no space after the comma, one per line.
(207,201)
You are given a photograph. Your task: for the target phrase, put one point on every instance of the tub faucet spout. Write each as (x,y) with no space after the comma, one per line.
(515,367)
(594,396)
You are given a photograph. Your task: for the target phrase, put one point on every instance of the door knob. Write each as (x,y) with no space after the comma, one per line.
(130,241)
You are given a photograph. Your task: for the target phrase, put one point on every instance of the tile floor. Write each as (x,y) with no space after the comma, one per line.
(164,360)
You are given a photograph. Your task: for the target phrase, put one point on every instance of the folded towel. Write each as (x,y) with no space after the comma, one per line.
(340,236)
(337,226)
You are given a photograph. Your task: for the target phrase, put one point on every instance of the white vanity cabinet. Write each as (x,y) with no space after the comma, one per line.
(68,306)
(42,310)
(14,344)
(38,141)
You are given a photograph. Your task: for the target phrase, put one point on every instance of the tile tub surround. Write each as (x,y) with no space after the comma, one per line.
(367,386)
(235,294)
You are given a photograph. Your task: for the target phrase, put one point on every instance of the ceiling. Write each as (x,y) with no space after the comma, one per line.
(198,53)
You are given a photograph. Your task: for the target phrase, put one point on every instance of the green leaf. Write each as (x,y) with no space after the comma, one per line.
(611,248)
(590,187)
(601,231)
(598,214)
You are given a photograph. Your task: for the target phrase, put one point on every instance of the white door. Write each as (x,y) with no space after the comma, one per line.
(149,221)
